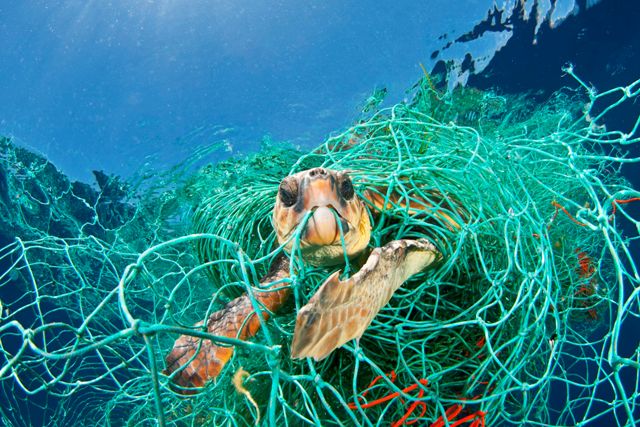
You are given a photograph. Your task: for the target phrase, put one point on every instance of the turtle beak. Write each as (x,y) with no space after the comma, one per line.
(323,229)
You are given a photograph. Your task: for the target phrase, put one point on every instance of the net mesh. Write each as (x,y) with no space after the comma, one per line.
(528,321)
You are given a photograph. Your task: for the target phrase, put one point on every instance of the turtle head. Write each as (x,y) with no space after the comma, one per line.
(330,198)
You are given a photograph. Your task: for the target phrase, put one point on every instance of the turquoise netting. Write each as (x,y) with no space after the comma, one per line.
(527,322)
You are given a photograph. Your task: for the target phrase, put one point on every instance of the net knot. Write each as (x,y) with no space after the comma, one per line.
(135,325)
(273,359)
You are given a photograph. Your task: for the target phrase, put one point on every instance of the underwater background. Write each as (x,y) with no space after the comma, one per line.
(123,121)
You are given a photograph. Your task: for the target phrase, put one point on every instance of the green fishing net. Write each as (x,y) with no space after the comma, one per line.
(529,319)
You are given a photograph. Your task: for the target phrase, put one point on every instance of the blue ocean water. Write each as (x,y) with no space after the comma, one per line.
(111,85)
(116,86)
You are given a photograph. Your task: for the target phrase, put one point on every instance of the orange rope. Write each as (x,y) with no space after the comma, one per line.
(585,264)
(392,376)
(413,406)
(391,396)
(450,413)
(454,411)
(479,414)
(617,202)
(559,206)
(480,421)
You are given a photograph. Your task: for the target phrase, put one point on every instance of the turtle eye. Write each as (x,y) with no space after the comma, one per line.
(288,192)
(346,189)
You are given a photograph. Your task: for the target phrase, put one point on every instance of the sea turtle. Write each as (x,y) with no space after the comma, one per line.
(336,223)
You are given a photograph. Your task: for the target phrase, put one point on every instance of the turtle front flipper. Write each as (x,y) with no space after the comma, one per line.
(342,310)
(193,361)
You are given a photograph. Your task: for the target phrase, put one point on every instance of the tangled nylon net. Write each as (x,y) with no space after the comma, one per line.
(526,322)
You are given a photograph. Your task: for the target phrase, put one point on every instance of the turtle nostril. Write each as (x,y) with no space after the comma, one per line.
(317,171)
